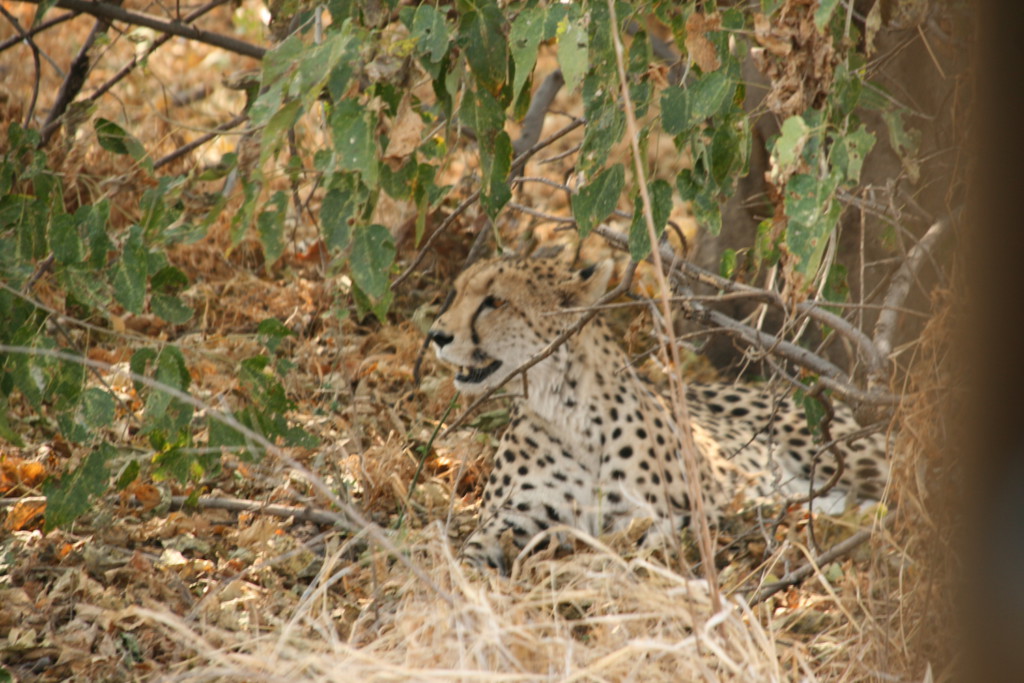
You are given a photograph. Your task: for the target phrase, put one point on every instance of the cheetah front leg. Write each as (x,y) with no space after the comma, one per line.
(537,482)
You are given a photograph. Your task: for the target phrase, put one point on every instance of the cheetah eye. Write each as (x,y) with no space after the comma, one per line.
(492,302)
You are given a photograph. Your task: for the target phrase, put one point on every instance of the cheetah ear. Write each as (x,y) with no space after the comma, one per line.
(588,285)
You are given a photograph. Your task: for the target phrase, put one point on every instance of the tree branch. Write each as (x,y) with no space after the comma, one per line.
(800,573)
(73,81)
(127,68)
(14,40)
(110,12)
(829,374)
(201,140)
(899,289)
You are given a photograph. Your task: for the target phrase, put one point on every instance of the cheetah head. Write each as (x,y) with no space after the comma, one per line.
(502,315)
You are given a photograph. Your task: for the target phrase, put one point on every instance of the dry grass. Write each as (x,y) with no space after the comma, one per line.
(594,616)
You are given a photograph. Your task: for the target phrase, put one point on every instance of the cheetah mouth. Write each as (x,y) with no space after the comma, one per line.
(477,375)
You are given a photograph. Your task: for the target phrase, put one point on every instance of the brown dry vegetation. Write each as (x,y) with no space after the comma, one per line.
(138,591)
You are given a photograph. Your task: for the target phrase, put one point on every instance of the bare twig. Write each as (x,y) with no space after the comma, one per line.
(536,213)
(800,573)
(138,58)
(73,81)
(459,210)
(25,36)
(899,288)
(111,12)
(303,513)
(829,374)
(28,33)
(201,140)
(533,122)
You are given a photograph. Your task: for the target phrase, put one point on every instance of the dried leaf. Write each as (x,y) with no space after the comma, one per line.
(405,134)
(700,49)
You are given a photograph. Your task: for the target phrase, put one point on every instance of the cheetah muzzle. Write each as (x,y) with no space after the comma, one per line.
(590,446)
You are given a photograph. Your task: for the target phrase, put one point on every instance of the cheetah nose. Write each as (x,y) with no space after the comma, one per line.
(439,338)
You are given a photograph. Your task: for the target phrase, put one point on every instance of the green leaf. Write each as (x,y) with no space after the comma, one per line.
(725,157)
(399,184)
(605,124)
(766,245)
(71,496)
(824,13)
(270,224)
(95,218)
(168,280)
(482,38)
(641,89)
(707,211)
(706,96)
(170,308)
(129,473)
(355,141)
(343,202)
(524,40)
(65,240)
(727,266)
(265,389)
(483,113)
(373,252)
(98,408)
(675,110)
(276,130)
(812,217)
(904,142)
(430,31)
(572,47)
(496,164)
(44,7)
(837,286)
(116,139)
(848,153)
(222,435)
(660,193)
(131,271)
(597,199)
(365,305)
(271,332)
(790,143)
(166,418)
(138,363)
(281,59)
(813,409)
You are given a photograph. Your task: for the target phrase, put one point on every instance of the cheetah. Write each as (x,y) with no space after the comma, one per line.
(589,445)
